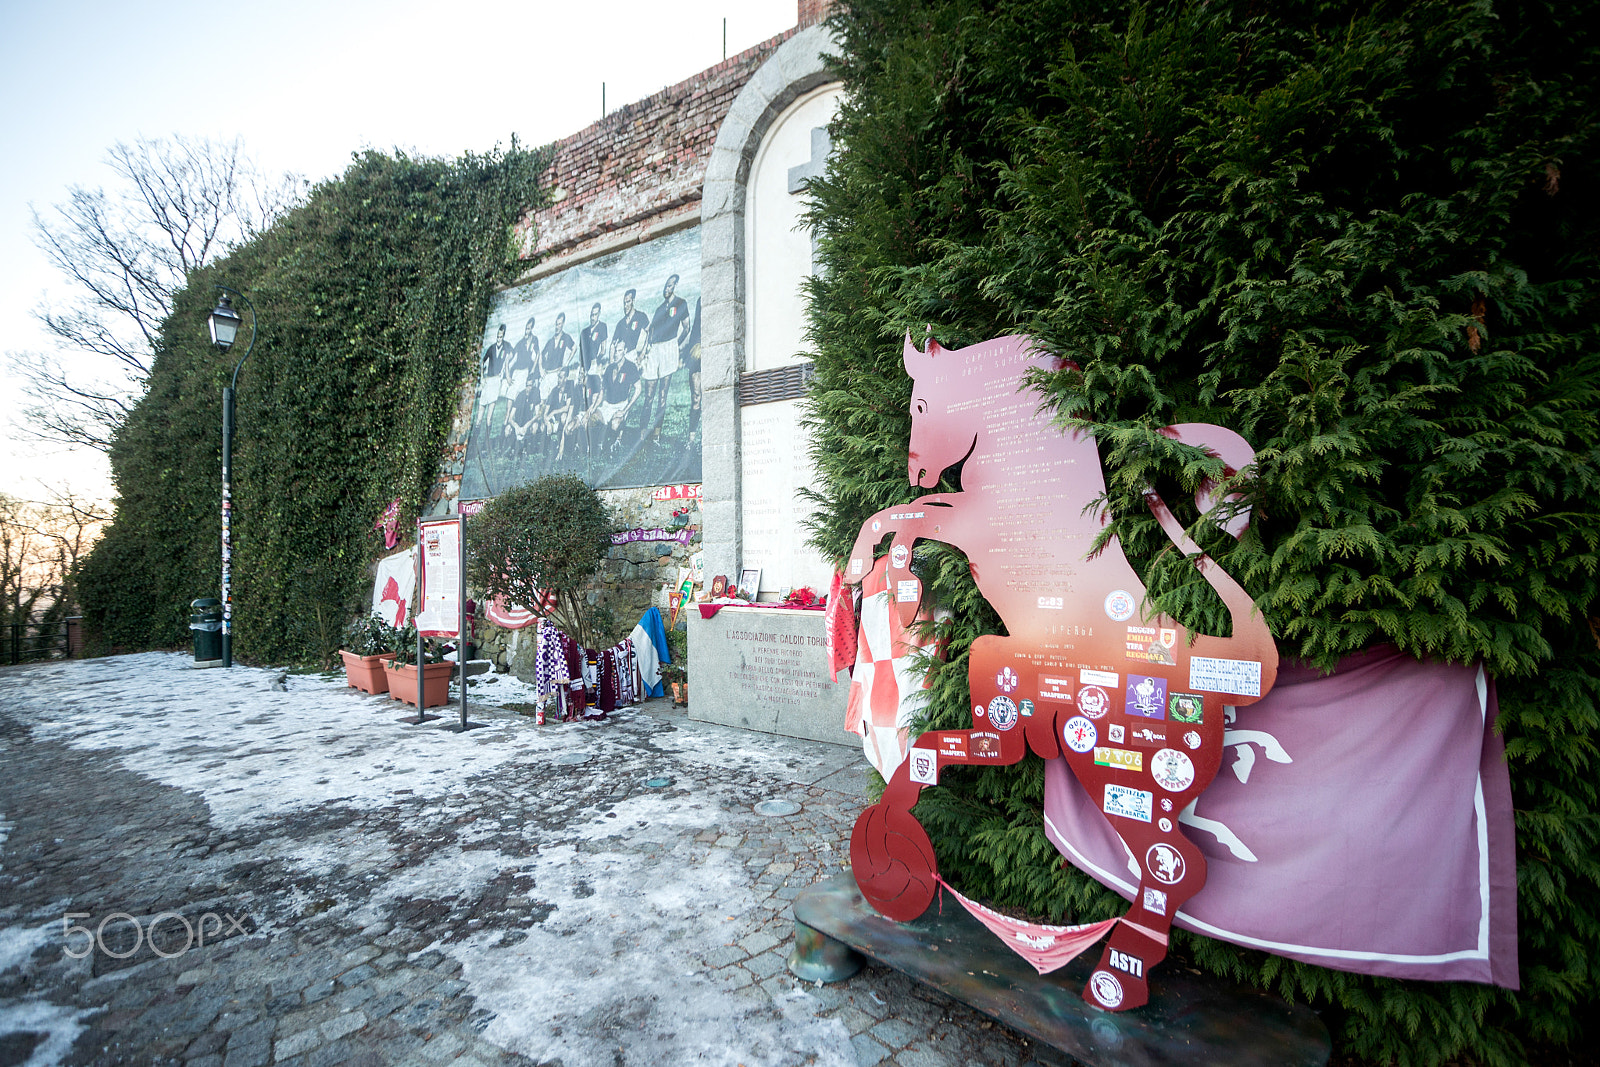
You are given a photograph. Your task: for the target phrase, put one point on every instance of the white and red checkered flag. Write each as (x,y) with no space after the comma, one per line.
(886,688)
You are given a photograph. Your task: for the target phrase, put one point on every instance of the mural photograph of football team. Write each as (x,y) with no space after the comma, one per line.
(593,371)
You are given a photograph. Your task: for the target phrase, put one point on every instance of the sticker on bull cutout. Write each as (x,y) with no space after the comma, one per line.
(1093,702)
(1142,643)
(1186,707)
(1192,739)
(1173,770)
(1148,737)
(953,744)
(1241,676)
(898,556)
(1146,696)
(1055,687)
(924,767)
(1079,734)
(1006,680)
(906,591)
(1155,901)
(1126,962)
(855,566)
(1106,989)
(1128,803)
(1115,733)
(1164,863)
(985,744)
(1026,707)
(1002,713)
(1105,678)
(876,525)
(1120,758)
(1165,824)
(1120,605)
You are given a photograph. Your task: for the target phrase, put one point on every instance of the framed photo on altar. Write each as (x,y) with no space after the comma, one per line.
(719,586)
(750,583)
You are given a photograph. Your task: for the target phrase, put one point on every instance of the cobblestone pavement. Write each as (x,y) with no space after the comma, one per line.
(374,893)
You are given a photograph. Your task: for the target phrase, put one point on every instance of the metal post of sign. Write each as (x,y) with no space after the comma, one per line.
(461,606)
(461,626)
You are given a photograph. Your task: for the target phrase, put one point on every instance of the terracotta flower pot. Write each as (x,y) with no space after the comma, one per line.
(435,683)
(366,672)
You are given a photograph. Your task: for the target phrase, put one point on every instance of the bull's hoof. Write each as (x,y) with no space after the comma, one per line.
(893,862)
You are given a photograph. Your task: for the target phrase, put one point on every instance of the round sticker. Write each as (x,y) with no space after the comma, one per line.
(1093,702)
(1192,739)
(1120,605)
(1172,770)
(1079,734)
(897,556)
(876,525)
(1164,863)
(1106,989)
(1165,824)
(1006,680)
(1002,713)
(1166,805)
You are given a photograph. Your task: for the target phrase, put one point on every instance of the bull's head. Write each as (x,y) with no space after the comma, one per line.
(935,442)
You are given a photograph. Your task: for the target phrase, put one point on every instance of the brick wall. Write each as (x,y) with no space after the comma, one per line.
(638,163)
(814,11)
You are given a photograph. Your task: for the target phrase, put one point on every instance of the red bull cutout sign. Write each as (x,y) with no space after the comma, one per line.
(1133,702)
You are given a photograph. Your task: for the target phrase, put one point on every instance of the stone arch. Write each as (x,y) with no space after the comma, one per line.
(797,68)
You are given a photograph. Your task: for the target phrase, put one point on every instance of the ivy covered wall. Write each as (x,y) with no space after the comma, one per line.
(1365,236)
(371,297)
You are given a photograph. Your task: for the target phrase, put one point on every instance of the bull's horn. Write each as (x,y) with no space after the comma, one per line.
(915,360)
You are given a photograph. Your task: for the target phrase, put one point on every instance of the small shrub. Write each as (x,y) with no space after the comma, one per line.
(549,535)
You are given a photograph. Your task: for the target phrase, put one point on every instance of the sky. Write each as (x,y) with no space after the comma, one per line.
(304,85)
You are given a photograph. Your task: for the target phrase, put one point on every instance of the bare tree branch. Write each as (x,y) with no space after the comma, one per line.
(178,203)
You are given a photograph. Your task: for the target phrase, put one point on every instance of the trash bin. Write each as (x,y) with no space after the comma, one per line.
(205,619)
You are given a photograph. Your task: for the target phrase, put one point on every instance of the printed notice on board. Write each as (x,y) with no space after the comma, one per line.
(1240,676)
(440,614)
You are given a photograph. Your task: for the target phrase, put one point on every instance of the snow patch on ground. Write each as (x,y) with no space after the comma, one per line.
(242,746)
(19,943)
(621,953)
(60,1025)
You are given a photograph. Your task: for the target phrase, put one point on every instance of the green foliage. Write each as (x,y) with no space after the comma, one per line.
(371,298)
(678,648)
(549,535)
(1364,236)
(369,635)
(405,640)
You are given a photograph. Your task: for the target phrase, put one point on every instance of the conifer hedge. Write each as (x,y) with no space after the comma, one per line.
(371,298)
(1365,236)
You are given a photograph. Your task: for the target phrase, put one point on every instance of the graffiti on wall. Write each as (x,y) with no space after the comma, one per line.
(593,371)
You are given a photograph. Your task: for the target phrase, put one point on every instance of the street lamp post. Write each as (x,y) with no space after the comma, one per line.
(224,323)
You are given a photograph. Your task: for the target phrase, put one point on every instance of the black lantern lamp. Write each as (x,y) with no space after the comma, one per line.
(224,323)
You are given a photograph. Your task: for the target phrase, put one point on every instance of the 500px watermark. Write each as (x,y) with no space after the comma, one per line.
(170,922)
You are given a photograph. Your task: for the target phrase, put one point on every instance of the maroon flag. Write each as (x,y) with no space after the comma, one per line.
(1360,821)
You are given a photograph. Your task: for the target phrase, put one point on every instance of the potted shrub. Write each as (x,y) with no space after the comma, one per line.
(402,673)
(369,642)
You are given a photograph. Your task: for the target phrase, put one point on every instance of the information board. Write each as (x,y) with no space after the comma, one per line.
(439,607)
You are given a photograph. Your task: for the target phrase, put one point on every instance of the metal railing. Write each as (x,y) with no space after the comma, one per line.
(27,641)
